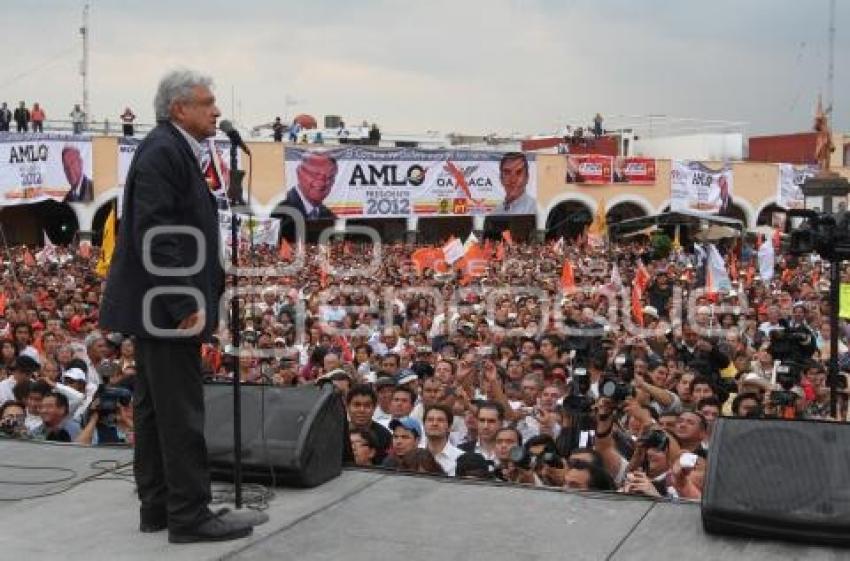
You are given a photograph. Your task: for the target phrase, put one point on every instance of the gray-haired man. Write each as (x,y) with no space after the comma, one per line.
(165,189)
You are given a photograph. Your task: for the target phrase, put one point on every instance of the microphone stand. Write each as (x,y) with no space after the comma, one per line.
(235,331)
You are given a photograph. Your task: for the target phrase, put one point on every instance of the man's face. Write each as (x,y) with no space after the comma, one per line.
(578,479)
(198,114)
(389,365)
(34,403)
(747,406)
(689,428)
(710,412)
(385,397)
(514,177)
(549,398)
(505,440)
(404,441)
(51,413)
(401,405)
(799,314)
(72,162)
(530,391)
(702,391)
(316,174)
(432,391)
(436,424)
(99,349)
(488,424)
(443,373)
(360,410)
(22,335)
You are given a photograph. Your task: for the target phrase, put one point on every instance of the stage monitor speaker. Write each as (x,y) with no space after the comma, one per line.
(290,436)
(779,479)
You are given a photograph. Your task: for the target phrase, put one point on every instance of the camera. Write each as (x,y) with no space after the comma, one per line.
(791,344)
(578,402)
(783,398)
(655,439)
(616,390)
(524,459)
(11,426)
(109,397)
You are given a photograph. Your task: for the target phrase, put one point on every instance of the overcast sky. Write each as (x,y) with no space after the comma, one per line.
(448,65)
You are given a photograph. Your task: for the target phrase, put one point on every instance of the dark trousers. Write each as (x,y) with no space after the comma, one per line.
(37,126)
(23,127)
(171,454)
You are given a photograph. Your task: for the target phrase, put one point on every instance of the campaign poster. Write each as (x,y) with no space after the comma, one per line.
(39,167)
(694,187)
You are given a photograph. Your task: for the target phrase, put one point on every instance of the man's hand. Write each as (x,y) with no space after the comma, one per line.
(194,319)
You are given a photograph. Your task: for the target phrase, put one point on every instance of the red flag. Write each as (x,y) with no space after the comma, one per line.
(568,281)
(285,250)
(3,303)
(506,235)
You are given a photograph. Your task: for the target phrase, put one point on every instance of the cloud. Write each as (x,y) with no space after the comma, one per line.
(473,66)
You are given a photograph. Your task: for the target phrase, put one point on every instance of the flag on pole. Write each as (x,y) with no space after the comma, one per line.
(48,253)
(107,247)
(716,277)
(558,247)
(641,281)
(452,251)
(766,261)
(568,280)
(285,250)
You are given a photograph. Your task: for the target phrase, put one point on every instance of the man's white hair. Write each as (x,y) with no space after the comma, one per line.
(176,86)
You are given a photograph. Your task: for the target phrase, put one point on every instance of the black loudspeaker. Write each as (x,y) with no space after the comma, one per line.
(290,436)
(779,479)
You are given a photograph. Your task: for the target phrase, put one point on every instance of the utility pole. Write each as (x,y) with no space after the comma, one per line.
(830,71)
(84,64)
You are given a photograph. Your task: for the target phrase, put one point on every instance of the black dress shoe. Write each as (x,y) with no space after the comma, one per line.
(213,529)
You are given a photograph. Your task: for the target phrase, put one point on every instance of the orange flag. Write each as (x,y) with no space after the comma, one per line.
(500,252)
(568,280)
(637,308)
(285,250)
(2,303)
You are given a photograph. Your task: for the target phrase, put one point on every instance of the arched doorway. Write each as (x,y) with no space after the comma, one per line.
(522,228)
(624,211)
(568,219)
(765,217)
(25,224)
(99,221)
(737,212)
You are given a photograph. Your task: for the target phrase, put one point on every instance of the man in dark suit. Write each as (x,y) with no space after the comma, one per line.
(316,174)
(82,190)
(165,189)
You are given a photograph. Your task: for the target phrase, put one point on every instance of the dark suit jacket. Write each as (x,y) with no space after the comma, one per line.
(293,199)
(86,193)
(164,187)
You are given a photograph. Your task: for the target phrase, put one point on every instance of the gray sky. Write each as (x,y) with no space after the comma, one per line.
(449,65)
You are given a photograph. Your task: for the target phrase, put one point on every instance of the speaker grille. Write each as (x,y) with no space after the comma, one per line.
(781,479)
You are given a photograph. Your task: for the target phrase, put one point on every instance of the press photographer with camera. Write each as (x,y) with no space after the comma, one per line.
(12,420)
(110,418)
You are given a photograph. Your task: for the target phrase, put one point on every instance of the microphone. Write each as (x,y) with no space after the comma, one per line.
(233,134)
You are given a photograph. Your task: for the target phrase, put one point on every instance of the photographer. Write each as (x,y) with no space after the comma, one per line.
(109,419)
(12,417)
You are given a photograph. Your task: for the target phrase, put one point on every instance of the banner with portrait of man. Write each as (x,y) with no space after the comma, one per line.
(357,181)
(590,169)
(35,168)
(634,170)
(694,187)
(789,191)
(215,162)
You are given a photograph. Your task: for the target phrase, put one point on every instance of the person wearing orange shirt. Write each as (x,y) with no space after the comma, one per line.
(37,116)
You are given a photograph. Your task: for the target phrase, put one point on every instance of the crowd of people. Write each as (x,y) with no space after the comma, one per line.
(31,119)
(511,375)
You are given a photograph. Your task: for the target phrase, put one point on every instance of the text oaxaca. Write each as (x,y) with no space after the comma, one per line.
(394,175)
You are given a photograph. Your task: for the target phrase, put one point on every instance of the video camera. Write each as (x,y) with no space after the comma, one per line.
(825,234)
(792,345)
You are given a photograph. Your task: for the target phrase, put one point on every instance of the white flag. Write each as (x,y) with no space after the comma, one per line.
(48,253)
(453,251)
(766,260)
(716,277)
